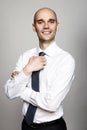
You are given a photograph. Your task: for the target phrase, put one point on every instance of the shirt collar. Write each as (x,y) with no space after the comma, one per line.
(51,50)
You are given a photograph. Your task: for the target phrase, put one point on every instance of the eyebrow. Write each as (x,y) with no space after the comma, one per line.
(38,20)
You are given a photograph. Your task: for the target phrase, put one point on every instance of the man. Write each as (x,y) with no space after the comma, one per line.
(55,68)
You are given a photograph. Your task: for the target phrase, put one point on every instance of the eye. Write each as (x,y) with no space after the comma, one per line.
(39,21)
(52,21)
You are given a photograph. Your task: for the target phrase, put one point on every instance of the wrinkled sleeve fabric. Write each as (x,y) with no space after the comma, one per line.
(14,87)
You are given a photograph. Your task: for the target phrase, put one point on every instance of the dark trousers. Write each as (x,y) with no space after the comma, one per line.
(59,125)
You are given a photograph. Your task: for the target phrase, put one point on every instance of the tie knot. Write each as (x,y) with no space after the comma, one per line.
(42,54)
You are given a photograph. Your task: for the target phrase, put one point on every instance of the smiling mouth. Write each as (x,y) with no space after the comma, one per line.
(46,32)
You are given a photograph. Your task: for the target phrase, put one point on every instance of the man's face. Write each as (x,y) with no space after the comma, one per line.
(45,25)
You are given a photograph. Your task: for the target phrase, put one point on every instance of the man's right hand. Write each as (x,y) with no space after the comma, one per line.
(35,63)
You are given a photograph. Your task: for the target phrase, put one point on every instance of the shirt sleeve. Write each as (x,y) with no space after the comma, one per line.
(59,86)
(14,87)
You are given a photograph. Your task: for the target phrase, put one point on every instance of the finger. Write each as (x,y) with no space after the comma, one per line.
(43,59)
(44,64)
(14,74)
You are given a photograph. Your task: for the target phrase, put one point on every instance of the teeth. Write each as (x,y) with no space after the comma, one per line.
(46,32)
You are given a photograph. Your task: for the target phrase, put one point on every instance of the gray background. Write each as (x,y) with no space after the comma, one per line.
(16,36)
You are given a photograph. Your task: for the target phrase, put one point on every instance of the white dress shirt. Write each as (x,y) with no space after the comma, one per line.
(55,81)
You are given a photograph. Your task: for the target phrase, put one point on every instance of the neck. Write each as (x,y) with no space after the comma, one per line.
(44,45)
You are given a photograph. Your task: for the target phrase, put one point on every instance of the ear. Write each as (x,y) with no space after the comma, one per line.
(33,27)
(58,25)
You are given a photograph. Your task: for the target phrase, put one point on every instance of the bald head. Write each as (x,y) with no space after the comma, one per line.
(44,10)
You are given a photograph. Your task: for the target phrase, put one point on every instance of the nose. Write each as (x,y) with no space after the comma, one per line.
(46,25)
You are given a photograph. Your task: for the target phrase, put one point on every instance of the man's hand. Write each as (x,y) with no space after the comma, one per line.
(35,63)
(15,73)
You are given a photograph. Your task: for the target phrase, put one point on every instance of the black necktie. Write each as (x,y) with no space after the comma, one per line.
(35,86)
